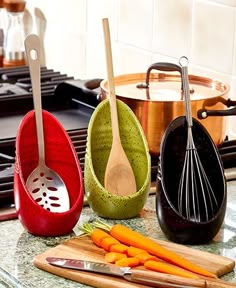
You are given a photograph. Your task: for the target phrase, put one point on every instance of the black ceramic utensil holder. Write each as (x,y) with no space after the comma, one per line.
(176,227)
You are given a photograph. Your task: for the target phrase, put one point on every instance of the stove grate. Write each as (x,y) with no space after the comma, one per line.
(16,90)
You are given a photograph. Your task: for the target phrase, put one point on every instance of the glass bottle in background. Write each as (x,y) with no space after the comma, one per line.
(3,23)
(14,51)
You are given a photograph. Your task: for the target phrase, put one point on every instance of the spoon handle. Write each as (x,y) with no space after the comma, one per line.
(111,84)
(32,48)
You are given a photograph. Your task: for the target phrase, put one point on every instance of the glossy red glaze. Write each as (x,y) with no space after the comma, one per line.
(60,156)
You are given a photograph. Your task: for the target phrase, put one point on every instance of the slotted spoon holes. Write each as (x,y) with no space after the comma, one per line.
(48,192)
(44,195)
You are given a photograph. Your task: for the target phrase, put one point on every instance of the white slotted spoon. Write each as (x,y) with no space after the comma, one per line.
(45,185)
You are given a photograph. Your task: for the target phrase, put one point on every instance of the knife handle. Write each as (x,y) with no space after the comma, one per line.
(162,280)
(219,284)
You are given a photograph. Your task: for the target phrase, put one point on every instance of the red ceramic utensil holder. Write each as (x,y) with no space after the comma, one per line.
(60,155)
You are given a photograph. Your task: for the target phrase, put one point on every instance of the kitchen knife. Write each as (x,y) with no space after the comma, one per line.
(149,278)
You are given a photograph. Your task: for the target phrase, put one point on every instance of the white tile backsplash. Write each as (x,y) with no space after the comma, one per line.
(225,2)
(96,10)
(132,60)
(135,23)
(172,27)
(95,57)
(213,37)
(142,32)
(67,56)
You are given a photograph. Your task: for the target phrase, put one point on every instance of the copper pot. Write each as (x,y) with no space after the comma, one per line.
(156,99)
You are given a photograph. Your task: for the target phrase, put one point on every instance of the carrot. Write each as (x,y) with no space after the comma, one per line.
(120,248)
(133,251)
(141,254)
(97,236)
(112,257)
(127,262)
(169,269)
(107,242)
(143,257)
(130,237)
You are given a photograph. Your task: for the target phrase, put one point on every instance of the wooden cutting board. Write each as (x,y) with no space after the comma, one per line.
(82,248)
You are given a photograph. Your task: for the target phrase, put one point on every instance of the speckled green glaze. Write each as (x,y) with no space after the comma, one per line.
(98,148)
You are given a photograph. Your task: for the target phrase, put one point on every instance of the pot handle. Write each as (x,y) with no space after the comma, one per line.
(204,113)
(162,66)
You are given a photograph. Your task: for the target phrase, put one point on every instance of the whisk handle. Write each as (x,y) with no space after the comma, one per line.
(183,61)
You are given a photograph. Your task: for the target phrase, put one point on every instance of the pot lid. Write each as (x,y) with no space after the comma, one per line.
(165,87)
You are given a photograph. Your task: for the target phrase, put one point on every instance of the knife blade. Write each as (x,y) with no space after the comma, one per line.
(149,278)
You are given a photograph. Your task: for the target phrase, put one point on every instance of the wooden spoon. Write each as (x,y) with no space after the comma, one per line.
(119,176)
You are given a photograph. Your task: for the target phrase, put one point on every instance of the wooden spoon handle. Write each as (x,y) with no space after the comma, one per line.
(32,48)
(111,84)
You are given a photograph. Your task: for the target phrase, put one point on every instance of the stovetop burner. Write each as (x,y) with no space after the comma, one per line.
(16,90)
(71,106)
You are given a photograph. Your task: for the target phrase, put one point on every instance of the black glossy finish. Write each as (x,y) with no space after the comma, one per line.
(172,153)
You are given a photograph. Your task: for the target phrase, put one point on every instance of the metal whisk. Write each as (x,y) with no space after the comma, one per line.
(196,199)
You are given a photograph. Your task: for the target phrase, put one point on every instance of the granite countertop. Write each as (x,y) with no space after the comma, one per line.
(18,247)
